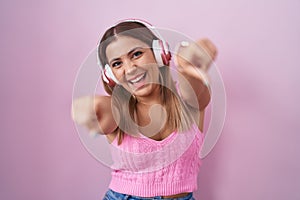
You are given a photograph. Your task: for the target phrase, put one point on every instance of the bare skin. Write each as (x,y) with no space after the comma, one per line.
(133,64)
(130,58)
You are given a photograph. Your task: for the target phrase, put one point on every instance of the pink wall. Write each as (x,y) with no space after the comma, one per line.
(44,43)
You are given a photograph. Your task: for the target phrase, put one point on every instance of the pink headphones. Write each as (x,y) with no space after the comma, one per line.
(160,49)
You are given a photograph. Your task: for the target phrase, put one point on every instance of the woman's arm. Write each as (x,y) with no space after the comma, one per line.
(95,113)
(193,61)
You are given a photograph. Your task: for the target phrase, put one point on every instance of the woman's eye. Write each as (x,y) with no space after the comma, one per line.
(137,54)
(116,64)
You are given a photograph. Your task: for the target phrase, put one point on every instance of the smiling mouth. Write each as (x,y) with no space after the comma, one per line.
(138,78)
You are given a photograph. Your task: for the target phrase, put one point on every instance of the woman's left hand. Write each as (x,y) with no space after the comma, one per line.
(199,54)
(193,61)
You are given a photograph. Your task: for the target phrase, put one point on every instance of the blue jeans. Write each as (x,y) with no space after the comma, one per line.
(112,195)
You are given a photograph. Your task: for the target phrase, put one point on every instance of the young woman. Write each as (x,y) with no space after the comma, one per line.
(154,125)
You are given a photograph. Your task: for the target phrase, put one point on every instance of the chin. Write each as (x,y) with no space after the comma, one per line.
(144,91)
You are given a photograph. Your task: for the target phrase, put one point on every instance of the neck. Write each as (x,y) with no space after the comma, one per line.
(153,98)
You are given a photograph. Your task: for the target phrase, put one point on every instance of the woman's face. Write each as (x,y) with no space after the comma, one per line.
(133,64)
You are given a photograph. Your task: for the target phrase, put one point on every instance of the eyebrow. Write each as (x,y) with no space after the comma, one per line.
(132,50)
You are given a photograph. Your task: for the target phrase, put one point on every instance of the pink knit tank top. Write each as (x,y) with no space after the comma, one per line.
(146,167)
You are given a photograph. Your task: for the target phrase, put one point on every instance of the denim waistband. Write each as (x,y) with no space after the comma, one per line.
(113,195)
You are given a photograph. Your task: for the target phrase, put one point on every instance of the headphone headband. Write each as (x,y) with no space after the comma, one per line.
(159,46)
(147,24)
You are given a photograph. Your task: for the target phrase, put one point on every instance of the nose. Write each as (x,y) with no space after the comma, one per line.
(130,66)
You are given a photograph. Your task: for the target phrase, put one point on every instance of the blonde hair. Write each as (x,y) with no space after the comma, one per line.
(178,115)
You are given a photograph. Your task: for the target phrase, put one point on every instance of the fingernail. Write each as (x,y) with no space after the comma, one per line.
(184,43)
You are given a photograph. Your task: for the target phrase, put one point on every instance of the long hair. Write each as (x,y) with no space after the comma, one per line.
(178,116)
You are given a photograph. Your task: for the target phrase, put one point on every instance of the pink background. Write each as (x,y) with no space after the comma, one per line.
(44,43)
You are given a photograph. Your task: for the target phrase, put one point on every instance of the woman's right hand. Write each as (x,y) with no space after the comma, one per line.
(94,112)
(84,113)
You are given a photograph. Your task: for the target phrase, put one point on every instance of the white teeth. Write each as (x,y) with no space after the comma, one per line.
(137,79)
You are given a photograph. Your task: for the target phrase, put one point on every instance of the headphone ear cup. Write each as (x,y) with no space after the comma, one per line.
(108,76)
(161,52)
(156,47)
(104,76)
